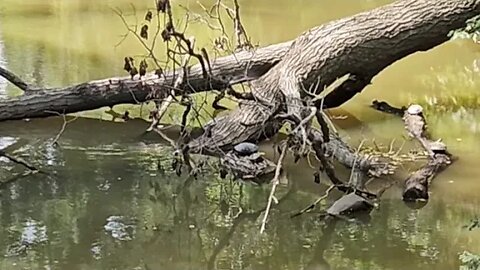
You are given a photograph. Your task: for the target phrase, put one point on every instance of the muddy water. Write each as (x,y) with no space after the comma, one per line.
(111,202)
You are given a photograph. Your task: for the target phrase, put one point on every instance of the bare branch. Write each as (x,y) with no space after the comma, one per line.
(275,182)
(16,80)
(64,125)
(243,42)
(18,161)
(317,201)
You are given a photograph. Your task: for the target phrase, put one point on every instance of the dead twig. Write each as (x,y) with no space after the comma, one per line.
(64,125)
(18,161)
(162,109)
(243,41)
(313,111)
(355,161)
(275,182)
(165,137)
(312,206)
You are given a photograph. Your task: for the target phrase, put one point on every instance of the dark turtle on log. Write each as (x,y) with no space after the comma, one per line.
(245,149)
(246,162)
(350,204)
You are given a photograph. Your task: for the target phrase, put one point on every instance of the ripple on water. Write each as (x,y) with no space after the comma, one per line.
(120,228)
(6,142)
(32,233)
(96,250)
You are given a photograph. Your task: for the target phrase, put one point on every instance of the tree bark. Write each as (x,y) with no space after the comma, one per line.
(233,69)
(361,45)
(417,184)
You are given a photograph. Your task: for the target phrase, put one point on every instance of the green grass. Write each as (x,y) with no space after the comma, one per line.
(455,89)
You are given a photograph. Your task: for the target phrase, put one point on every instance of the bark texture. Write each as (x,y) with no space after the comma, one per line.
(232,69)
(416,185)
(361,45)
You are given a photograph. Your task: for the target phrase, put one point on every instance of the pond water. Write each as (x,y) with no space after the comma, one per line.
(110,200)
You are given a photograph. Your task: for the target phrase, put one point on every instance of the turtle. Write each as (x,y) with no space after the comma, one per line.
(255,157)
(438,146)
(414,109)
(245,149)
(349,204)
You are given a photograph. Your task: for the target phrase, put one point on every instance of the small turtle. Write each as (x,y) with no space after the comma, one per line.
(438,147)
(255,157)
(415,109)
(245,149)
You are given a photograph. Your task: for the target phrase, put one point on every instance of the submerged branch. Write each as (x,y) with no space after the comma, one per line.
(317,201)
(18,161)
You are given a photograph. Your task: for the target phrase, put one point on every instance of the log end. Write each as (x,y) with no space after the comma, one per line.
(415,192)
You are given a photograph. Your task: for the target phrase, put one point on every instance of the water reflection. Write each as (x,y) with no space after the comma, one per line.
(107,187)
(150,219)
(120,228)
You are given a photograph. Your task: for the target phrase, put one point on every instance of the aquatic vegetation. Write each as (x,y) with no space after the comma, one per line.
(452,89)
(469,261)
(470,31)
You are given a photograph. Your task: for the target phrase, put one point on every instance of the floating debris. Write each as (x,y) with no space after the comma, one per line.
(105,186)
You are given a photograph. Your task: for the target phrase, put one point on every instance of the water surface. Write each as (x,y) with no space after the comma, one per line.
(112,202)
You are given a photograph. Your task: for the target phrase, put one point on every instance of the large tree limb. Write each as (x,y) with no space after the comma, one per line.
(362,45)
(416,185)
(233,69)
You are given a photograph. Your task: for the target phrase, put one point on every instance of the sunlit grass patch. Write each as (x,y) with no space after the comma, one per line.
(453,90)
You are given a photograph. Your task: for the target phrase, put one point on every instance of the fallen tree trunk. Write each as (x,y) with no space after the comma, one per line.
(417,184)
(361,45)
(230,70)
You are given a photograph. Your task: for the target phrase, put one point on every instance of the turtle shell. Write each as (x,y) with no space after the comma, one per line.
(415,109)
(255,156)
(438,146)
(245,148)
